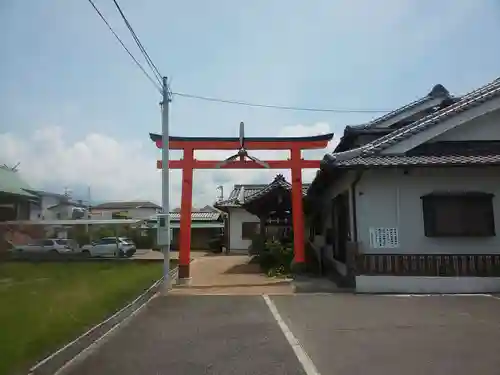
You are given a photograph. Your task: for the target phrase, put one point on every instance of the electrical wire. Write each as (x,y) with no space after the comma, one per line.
(150,62)
(289,108)
(158,83)
(158,87)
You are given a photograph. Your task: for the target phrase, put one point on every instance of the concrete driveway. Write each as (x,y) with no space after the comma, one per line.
(361,334)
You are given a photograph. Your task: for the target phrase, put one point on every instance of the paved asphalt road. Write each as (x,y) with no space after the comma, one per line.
(342,334)
(191,335)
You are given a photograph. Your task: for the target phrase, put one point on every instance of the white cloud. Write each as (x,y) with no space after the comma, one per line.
(125,170)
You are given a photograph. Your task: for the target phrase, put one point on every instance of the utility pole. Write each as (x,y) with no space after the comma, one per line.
(167,283)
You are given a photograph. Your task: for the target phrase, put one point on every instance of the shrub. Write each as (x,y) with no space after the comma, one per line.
(276,258)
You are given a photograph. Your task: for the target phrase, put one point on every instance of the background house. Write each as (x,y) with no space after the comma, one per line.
(412,205)
(242,225)
(15,198)
(206,224)
(54,206)
(125,209)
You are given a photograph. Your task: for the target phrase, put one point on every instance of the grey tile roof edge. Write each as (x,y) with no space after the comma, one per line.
(477,96)
(433,94)
(420,160)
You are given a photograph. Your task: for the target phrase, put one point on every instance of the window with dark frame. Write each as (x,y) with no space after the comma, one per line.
(249,230)
(468,214)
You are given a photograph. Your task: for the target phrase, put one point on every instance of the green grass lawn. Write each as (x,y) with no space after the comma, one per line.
(43,306)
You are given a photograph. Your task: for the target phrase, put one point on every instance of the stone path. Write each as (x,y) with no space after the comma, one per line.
(230,275)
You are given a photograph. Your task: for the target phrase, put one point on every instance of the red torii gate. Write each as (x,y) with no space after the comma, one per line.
(188,163)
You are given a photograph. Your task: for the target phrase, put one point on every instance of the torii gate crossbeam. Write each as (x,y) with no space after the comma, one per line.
(188,163)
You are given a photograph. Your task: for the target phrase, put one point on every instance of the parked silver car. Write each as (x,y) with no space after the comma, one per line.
(48,246)
(110,247)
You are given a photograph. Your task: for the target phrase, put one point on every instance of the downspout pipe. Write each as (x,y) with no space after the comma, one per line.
(353,204)
(352,268)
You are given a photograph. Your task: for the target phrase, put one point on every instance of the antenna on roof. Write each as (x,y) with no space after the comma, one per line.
(13,169)
(221,196)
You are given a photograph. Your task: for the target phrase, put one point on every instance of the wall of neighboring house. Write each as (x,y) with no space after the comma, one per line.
(238,216)
(323,249)
(40,212)
(388,198)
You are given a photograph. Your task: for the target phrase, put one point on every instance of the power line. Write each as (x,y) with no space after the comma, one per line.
(158,76)
(289,108)
(158,87)
(150,62)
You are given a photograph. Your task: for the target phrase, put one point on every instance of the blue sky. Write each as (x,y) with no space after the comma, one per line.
(70,94)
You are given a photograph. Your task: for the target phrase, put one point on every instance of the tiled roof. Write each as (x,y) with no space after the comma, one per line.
(12,183)
(438,91)
(241,193)
(126,205)
(403,160)
(468,101)
(197,216)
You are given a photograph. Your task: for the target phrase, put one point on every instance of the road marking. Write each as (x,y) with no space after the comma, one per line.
(101,340)
(302,356)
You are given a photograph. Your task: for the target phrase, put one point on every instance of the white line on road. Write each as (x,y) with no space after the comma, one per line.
(302,356)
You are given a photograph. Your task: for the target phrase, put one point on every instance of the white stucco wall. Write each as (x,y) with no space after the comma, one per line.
(389,198)
(237,216)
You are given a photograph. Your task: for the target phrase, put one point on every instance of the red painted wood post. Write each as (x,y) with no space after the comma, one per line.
(297,211)
(186,205)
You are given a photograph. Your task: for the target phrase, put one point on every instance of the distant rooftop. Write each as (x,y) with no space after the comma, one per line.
(125,205)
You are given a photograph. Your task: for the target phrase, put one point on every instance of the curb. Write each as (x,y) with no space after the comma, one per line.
(63,357)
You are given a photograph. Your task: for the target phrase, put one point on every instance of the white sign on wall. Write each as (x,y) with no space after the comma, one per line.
(384,238)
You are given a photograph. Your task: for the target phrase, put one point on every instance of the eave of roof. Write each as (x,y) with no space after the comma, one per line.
(420,160)
(323,137)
